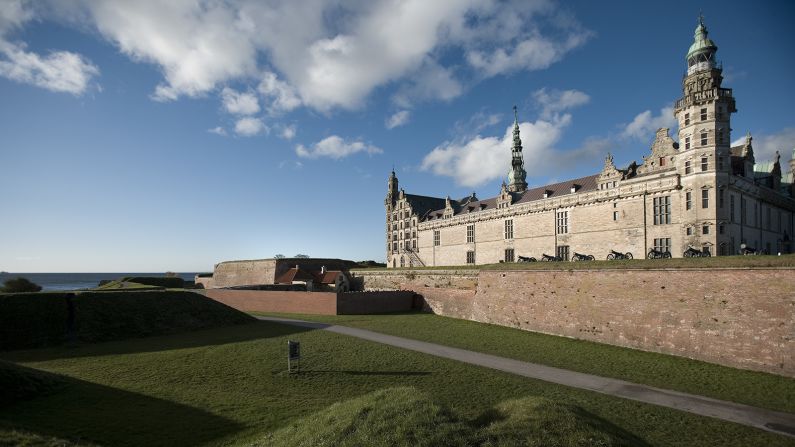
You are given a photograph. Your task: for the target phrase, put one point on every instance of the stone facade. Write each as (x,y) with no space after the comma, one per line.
(264,271)
(695,313)
(696,191)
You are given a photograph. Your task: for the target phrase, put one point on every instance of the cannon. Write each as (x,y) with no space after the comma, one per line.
(526,259)
(617,255)
(547,258)
(579,257)
(658,254)
(692,252)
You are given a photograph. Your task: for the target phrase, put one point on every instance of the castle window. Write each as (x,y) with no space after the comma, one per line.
(720,163)
(704,163)
(615,215)
(509,229)
(470,257)
(689,231)
(721,229)
(704,198)
(413,234)
(703,138)
(662,210)
(731,208)
(688,167)
(703,114)
(394,246)
(562,219)
(687,119)
(562,251)
(436,238)
(662,244)
(687,142)
(705,229)
(688,200)
(414,244)
(509,255)
(470,233)
(720,198)
(662,161)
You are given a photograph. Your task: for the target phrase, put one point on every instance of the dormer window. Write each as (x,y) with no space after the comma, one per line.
(547,193)
(574,188)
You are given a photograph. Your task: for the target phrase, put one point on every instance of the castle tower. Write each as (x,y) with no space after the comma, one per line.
(391,224)
(517,175)
(705,108)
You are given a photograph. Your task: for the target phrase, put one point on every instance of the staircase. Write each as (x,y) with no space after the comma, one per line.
(415,259)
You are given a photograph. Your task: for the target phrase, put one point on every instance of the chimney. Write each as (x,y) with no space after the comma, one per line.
(323,270)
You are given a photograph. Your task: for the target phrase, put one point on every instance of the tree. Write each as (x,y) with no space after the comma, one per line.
(301,256)
(279,256)
(17,285)
(171,275)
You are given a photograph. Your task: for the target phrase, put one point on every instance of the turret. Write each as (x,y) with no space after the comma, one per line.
(517,175)
(392,189)
(701,55)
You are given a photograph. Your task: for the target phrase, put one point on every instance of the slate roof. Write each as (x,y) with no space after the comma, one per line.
(294,274)
(585,184)
(420,205)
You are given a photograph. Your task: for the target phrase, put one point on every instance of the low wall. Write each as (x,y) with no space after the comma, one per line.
(319,303)
(743,318)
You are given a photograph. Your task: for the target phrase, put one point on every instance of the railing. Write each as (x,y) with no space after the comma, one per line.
(416,261)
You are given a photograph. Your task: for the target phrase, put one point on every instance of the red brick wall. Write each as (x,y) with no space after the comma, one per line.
(321,303)
(744,318)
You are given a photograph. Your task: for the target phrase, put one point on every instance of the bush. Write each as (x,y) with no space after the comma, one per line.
(19,285)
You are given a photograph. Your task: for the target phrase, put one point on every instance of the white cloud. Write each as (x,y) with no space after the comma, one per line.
(239,103)
(397,119)
(218,130)
(553,102)
(288,132)
(766,145)
(646,124)
(282,96)
(249,127)
(335,147)
(59,71)
(477,160)
(476,123)
(431,81)
(533,53)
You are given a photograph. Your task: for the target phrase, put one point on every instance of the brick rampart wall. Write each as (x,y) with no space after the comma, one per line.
(743,318)
(320,303)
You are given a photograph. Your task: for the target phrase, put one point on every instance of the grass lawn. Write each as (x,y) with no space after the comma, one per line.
(765,261)
(663,371)
(228,386)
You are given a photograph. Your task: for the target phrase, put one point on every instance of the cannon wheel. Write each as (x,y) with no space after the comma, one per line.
(687,254)
(611,256)
(544,259)
(532,259)
(705,254)
(628,255)
(651,255)
(666,254)
(591,258)
(575,258)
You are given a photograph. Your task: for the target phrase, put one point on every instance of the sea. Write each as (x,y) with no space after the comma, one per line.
(77,281)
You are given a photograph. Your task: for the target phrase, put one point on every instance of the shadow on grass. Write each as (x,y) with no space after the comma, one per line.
(206,337)
(81,411)
(364,373)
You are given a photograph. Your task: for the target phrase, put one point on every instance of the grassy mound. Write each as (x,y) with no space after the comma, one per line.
(51,318)
(407,417)
(20,383)
(16,438)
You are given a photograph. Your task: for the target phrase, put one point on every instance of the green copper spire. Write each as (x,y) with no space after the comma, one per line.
(517,175)
(703,48)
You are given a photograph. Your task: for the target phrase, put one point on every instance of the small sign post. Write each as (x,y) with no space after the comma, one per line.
(293,355)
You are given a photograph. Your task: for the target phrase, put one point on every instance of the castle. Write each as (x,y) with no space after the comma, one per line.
(697,191)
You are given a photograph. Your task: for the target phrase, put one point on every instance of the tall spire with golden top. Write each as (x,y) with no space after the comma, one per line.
(517,175)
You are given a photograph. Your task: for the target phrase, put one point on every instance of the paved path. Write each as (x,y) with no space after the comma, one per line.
(772,421)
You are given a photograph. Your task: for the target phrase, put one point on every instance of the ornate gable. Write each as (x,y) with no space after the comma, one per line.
(610,175)
(662,154)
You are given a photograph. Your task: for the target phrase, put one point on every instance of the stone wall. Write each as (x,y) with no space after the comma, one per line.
(265,271)
(744,318)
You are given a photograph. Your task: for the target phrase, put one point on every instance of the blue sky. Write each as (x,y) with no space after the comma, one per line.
(154,136)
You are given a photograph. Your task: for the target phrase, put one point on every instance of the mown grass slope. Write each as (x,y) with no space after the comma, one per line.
(51,318)
(229,386)
(660,370)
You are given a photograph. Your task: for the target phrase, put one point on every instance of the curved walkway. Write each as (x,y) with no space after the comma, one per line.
(768,420)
